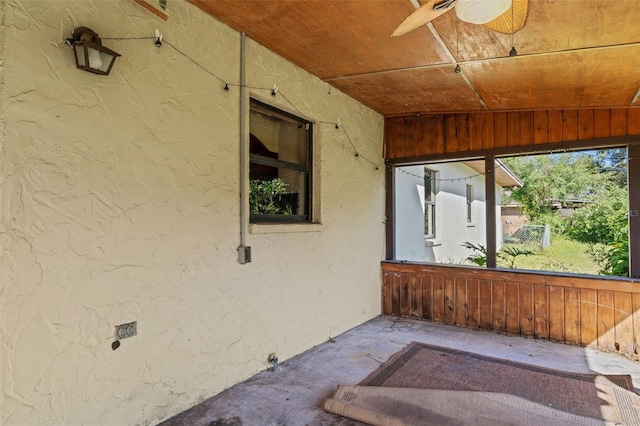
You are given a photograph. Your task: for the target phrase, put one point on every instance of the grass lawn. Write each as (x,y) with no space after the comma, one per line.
(564,255)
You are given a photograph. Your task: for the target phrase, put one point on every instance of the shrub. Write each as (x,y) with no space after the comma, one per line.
(506,257)
(265,197)
(613,259)
(602,221)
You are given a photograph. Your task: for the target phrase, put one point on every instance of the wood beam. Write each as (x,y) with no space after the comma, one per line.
(390,252)
(490,209)
(633,170)
(517,132)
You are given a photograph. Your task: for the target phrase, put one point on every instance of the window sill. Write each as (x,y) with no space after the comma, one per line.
(429,242)
(284,228)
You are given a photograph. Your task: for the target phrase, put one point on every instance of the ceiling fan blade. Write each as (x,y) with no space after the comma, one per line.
(512,20)
(422,15)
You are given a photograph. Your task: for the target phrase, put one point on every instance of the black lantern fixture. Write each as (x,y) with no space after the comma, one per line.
(90,54)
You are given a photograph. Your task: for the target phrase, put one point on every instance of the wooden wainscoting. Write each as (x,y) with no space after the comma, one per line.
(586,311)
(429,136)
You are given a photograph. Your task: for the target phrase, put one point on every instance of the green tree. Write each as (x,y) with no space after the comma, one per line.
(613,162)
(602,219)
(551,178)
(598,180)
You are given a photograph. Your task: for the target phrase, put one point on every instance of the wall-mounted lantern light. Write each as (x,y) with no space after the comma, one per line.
(90,54)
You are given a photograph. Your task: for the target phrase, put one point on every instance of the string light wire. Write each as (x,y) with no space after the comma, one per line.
(127,38)
(460,179)
(357,154)
(196,63)
(274,91)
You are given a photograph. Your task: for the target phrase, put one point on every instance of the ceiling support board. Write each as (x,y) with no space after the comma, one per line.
(422,67)
(490,60)
(556,52)
(454,62)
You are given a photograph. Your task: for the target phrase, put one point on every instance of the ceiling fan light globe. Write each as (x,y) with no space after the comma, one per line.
(481,11)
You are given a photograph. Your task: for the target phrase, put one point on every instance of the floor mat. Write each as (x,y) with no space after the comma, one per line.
(469,376)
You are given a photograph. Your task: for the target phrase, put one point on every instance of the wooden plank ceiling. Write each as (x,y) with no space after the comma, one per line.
(571,53)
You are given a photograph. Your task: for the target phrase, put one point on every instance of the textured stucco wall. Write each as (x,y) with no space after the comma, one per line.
(120,203)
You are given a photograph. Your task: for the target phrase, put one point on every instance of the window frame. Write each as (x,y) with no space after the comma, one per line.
(469,203)
(257,106)
(430,201)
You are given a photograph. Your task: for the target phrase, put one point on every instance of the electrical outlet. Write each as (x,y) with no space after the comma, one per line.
(273,360)
(124,331)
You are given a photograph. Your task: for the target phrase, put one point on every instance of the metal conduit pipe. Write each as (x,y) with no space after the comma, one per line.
(244,252)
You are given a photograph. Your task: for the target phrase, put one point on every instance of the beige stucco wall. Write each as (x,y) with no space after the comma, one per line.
(120,203)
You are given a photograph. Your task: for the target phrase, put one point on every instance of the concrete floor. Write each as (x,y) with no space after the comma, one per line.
(294,392)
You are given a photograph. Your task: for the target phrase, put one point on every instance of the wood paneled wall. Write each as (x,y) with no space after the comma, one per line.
(577,310)
(440,134)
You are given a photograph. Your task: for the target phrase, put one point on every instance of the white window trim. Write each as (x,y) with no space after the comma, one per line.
(431,204)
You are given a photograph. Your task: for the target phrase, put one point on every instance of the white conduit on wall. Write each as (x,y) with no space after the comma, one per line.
(244,252)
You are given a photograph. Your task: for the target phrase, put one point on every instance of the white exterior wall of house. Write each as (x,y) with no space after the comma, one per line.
(119,202)
(452,228)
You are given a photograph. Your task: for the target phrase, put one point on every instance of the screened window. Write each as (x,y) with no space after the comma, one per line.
(280,166)
(430,211)
(567,212)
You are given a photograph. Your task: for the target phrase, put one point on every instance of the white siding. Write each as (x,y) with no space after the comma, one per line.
(452,228)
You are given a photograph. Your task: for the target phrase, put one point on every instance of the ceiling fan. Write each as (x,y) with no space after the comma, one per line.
(504,16)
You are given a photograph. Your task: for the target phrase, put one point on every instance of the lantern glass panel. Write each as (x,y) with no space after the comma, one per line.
(79,51)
